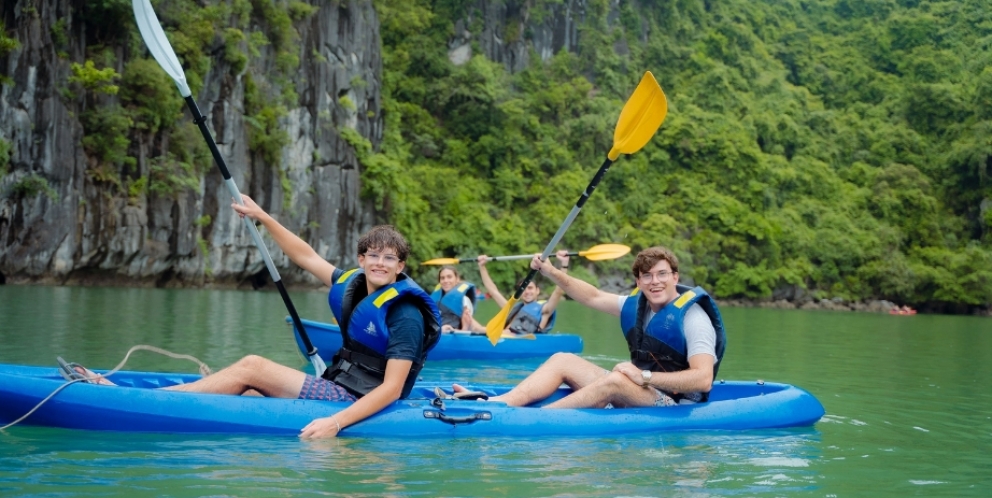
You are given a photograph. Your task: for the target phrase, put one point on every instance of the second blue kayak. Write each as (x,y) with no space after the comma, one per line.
(455,346)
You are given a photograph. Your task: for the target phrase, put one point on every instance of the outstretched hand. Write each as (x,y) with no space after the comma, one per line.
(482,260)
(320,428)
(563,257)
(250,209)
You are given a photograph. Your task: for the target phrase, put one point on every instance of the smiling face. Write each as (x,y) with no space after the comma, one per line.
(381,265)
(447,278)
(658,284)
(530,293)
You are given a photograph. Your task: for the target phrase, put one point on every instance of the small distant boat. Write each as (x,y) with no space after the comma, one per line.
(460,345)
(898,311)
(135,405)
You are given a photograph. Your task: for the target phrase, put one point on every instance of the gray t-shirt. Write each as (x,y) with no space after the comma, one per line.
(700,336)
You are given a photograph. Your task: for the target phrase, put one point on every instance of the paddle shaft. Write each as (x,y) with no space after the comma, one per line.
(236,194)
(508,258)
(564,226)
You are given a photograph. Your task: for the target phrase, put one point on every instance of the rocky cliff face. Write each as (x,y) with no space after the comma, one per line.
(72,212)
(511,31)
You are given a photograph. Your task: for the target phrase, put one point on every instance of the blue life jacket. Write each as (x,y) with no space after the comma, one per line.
(360,365)
(526,318)
(452,302)
(662,346)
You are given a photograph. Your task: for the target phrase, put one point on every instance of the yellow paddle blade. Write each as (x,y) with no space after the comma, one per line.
(441,261)
(605,251)
(640,118)
(494,329)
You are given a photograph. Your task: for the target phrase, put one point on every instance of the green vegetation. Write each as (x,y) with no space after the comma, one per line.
(7,44)
(33,185)
(60,38)
(93,79)
(838,146)
(5,152)
(141,106)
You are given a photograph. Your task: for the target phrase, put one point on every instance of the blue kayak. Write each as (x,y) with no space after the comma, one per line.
(460,345)
(136,406)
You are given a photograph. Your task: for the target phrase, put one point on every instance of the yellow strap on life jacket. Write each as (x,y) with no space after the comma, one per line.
(386,296)
(345,275)
(685,298)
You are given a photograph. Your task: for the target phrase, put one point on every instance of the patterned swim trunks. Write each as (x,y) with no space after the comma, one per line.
(322,389)
(663,399)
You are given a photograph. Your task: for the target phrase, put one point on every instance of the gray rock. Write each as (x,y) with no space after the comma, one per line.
(90,231)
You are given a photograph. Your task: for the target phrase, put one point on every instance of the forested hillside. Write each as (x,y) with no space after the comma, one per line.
(834,148)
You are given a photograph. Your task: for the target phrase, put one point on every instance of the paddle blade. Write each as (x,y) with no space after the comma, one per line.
(494,329)
(318,364)
(441,261)
(605,251)
(158,44)
(640,118)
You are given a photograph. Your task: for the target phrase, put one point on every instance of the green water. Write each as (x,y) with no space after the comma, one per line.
(908,410)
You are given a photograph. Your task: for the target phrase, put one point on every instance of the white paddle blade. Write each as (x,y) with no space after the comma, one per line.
(158,44)
(318,365)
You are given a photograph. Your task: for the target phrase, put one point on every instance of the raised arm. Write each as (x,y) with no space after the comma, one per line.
(487,281)
(299,252)
(549,307)
(577,289)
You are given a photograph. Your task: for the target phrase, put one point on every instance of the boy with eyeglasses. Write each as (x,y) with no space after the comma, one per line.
(675,336)
(387,321)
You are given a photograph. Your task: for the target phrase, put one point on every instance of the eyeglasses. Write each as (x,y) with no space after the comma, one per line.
(663,276)
(389,259)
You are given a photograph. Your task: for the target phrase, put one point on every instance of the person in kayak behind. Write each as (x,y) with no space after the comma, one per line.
(387,321)
(456,300)
(529,315)
(674,333)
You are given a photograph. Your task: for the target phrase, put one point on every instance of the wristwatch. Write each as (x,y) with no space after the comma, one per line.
(646,375)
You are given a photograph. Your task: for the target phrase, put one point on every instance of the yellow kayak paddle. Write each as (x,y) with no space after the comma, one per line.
(639,120)
(599,252)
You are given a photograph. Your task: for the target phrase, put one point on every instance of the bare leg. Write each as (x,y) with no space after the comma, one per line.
(251,372)
(615,388)
(561,368)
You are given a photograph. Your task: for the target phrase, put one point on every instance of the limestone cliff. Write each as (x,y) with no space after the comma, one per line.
(513,31)
(98,188)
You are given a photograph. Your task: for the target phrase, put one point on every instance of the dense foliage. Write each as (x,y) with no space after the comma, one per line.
(838,148)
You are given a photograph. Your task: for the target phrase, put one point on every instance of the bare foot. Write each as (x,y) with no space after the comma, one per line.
(462,392)
(91,376)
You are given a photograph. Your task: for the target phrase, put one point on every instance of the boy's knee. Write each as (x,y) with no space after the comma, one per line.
(252,362)
(617,379)
(565,358)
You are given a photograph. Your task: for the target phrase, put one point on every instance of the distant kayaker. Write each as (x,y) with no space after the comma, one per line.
(455,299)
(529,315)
(675,335)
(388,322)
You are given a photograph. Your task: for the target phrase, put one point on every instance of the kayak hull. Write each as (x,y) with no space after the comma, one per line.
(136,406)
(326,338)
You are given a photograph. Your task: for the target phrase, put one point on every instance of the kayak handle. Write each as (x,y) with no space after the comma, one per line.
(453,420)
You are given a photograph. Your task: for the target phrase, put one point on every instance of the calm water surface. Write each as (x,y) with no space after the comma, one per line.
(909,411)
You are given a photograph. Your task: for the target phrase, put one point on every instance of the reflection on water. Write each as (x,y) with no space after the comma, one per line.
(907,410)
(37,461)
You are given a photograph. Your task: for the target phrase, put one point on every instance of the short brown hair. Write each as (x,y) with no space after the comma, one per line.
(458,276)
(649,257)
(384,237)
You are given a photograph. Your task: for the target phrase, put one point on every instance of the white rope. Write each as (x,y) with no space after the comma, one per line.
(204,371)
